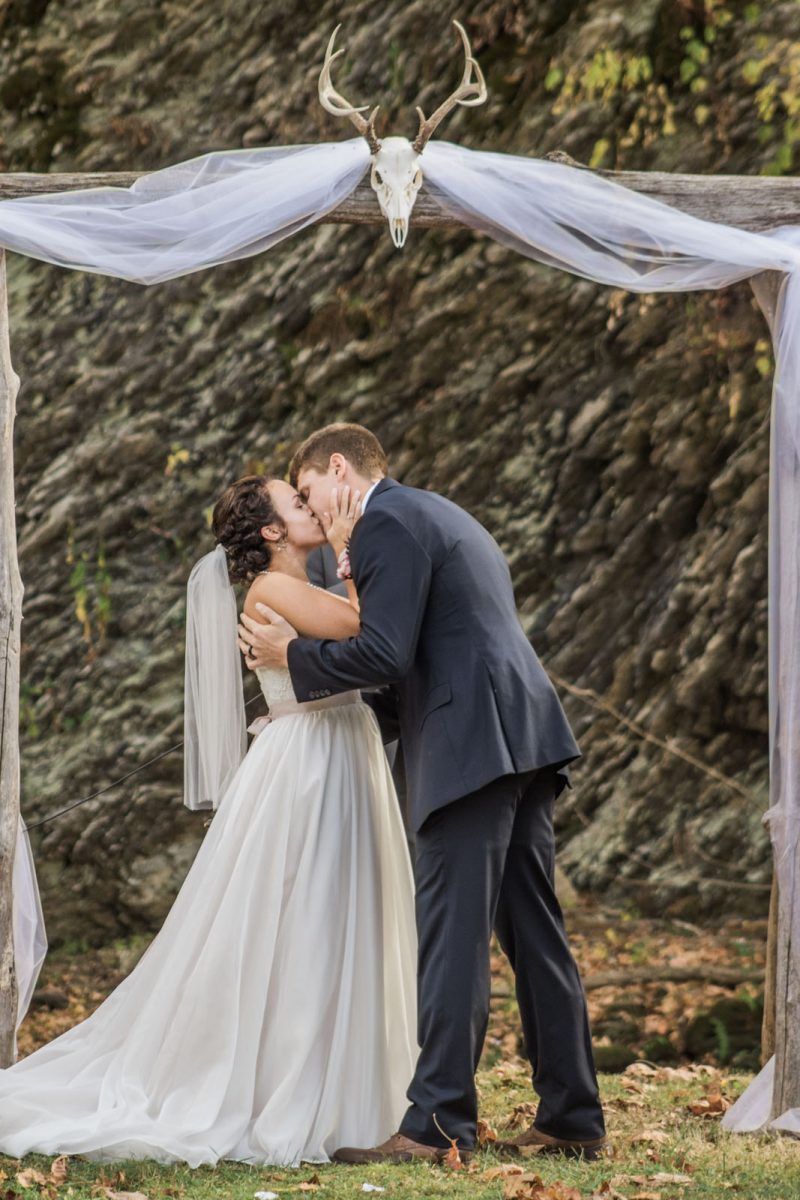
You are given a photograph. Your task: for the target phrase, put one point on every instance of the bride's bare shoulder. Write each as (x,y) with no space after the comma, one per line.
(312,610)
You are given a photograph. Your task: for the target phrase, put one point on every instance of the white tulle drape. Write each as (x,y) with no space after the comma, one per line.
(222,206)
(234,204)
(214,737)
(30,938)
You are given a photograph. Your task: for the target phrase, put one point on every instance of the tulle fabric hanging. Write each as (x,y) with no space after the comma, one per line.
(215,739)
(222,206)
(30,937)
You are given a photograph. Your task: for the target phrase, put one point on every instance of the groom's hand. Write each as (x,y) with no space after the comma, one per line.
(264,644)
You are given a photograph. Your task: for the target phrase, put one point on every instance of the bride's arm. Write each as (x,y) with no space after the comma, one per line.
(314,613)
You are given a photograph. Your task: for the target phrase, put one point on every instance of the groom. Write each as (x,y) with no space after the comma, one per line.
(485,740)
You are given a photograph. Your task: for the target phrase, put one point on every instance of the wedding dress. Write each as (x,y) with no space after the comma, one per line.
(272,1018)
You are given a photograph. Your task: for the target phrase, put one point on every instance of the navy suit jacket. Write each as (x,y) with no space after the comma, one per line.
(439,624)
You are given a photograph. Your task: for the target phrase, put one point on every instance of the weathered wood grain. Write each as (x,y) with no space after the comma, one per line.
(753,202)
(10,619)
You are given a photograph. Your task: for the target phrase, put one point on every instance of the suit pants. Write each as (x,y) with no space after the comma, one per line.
(486,861)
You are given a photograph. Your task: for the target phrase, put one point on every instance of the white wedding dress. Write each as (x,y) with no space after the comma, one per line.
(272,1018)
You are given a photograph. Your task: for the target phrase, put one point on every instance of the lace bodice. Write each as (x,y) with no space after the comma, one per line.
(276,685)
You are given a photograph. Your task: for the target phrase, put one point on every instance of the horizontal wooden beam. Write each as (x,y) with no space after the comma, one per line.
(749,201)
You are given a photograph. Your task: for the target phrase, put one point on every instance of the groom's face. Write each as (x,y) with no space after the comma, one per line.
(315,489)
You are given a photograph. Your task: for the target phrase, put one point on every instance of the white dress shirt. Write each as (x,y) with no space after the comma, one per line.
(365,501)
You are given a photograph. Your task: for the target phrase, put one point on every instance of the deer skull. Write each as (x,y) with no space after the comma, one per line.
(396,178)
(396,172)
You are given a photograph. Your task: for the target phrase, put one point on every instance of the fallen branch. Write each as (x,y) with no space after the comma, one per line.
(705,972)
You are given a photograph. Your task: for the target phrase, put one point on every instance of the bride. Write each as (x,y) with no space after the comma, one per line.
(272,1019)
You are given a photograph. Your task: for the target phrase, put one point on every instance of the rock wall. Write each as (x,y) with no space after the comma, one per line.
(617,445)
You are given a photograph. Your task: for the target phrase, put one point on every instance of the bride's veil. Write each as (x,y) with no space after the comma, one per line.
(215,740)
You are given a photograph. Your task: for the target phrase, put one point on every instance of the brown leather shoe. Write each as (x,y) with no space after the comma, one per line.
(587,1148)
(397,1148)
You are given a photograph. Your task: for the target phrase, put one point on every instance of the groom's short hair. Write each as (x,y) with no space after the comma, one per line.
(358,445)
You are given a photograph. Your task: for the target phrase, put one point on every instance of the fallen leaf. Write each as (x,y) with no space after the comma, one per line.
(531,1187)
(607,1192)
(646,1196)
(712,1105)
(486,1134)
(311,1185)
(500,1172)
(665,1177)
(112,1195)
(58,1170)
(452,1160)
(108,1181)
(30,1177)
(521,1186)
(523,1114)
(641,1069)
(651,1137)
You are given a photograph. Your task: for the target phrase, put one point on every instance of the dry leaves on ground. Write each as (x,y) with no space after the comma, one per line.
(522,1115)
(532,1187)
(49,1184)
(650,1137)
(713,1104)
(486,1135)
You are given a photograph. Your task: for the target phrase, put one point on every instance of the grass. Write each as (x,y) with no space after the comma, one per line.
(653,1132)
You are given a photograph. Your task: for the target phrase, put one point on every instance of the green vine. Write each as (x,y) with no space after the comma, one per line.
(90,582)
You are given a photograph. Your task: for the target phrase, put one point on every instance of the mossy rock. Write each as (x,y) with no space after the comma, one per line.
(618,1029)
(730,1027)
(614,1058)
(629,1008)
(660,1050)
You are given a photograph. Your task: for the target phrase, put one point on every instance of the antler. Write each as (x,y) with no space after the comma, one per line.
(334,103)
(469,91)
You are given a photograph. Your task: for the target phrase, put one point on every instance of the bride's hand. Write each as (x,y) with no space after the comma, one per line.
(344,512)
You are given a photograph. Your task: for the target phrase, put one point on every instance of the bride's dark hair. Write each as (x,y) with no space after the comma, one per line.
(239,515)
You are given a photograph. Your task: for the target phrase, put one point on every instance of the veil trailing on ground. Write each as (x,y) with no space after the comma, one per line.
(234,204)
(214,738)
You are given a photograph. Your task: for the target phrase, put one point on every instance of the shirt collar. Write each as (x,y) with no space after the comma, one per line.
(365,501)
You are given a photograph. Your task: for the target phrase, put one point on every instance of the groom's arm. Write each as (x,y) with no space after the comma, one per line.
(383,703)
(393,575)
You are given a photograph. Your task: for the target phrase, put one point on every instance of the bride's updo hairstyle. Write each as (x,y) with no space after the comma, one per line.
(239,515)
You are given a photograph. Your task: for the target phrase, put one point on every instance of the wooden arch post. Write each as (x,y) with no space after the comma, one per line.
(781,1030)
(10,624)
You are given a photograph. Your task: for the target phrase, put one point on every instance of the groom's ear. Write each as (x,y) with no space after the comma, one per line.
(337,464)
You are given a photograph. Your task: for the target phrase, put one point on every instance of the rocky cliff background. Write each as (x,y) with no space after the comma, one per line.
(616,445)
